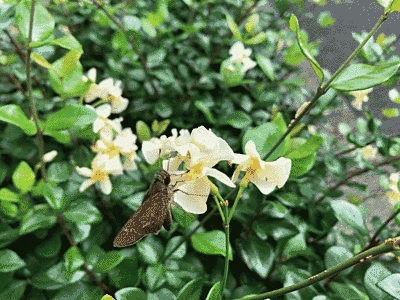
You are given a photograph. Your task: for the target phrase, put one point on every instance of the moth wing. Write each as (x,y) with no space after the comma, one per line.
(147,219)
(168,219)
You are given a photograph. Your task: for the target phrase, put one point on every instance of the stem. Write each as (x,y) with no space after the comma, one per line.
(219,208)
(238,196)
(30,97)
(226,267)
(387,246)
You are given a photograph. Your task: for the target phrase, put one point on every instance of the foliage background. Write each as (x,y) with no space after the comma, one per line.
(57,243)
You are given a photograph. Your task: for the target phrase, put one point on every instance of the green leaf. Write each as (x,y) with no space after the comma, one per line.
(158,128)
(325,19)
(43,21)
(212,243)
(38,217)
(59,171)
(303,44)
(108,261)
(348,291)
(126,273)
(54,196)
(311,146)
(14,291)
(375,273)
(8,208)
(23,177)
(191,290)
(130,293)
(336,255)
(391,285)
(143,131)
(68,42)
(295,246)
(362,76)
(50,247)
(8,195)
(232,75)
(156,58)
(10,261)
(154,277)
(150,250)
(205,109)
(233,27)
(214,293)
(73,260)
(257,39)
(13,114)
(265,136)
(350,215)
(41,61)
(257,255)
(7,235)
(390,112)
(161,294)
(266,66)
(69,116)
(180,252)
(82,212)
(239,119)
(302,166)
(69,63)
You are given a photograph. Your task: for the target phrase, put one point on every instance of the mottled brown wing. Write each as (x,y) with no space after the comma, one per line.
(149,218)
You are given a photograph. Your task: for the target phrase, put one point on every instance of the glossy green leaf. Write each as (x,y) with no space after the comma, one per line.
(150,250)
(294,26)
(108,261)
(214,293)
(73,259)
(350,215)
(41,61)
(69,116)
(7,234)
(257,39)
(23,177)
(9,209)
(59,171)
(79,290)
(82,213)
(161,294)
(180,252)
(257,254)
(233,27)
(390,112)
(191,290)
(13,114)
(43,22)
(306,149)
(211,242)
(239,119)
(8,195)
(361,76)
(325,19)
(154,277)
(391,285)
(143,131)
(266,66)
(68,42)
(125,273)
(69,63)
(130,293)
(336,255)
(54,196)
(374,274)
(205,109)
(39,217)
(50,247)
(14,291)
(302,166)
(10,261)
(348,291)
(295,246)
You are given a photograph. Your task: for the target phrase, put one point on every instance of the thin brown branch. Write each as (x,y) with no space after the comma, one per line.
(133,44)
(88,271)
(357,173)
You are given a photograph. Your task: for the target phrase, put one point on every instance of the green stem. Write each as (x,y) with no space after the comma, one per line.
(387,246)
(215,196)
(226,267)
(238,196)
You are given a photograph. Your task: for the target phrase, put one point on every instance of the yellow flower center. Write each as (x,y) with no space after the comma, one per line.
(253,166)
(195,171)
(99,175)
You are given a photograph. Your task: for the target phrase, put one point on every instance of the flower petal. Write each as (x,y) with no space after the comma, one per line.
(84,171)
(105,186)
(220,176)
(192,196)
(277,172)
(86,184)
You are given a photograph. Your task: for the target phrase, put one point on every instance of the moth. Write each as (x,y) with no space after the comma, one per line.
(152,214)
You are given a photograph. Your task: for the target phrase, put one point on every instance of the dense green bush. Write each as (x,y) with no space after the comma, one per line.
(95,95)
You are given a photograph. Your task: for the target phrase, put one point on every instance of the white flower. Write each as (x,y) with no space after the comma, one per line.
(241,55)
(103,125)
(394,95)
(369,152)
(114,91)
(102,166)
(49,156)
(107,90)
(360,97)
(394,193)
(265,175)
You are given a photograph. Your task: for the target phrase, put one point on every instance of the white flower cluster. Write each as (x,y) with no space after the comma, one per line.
(199,151)
(394,193)
(114,141)
(241,55)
